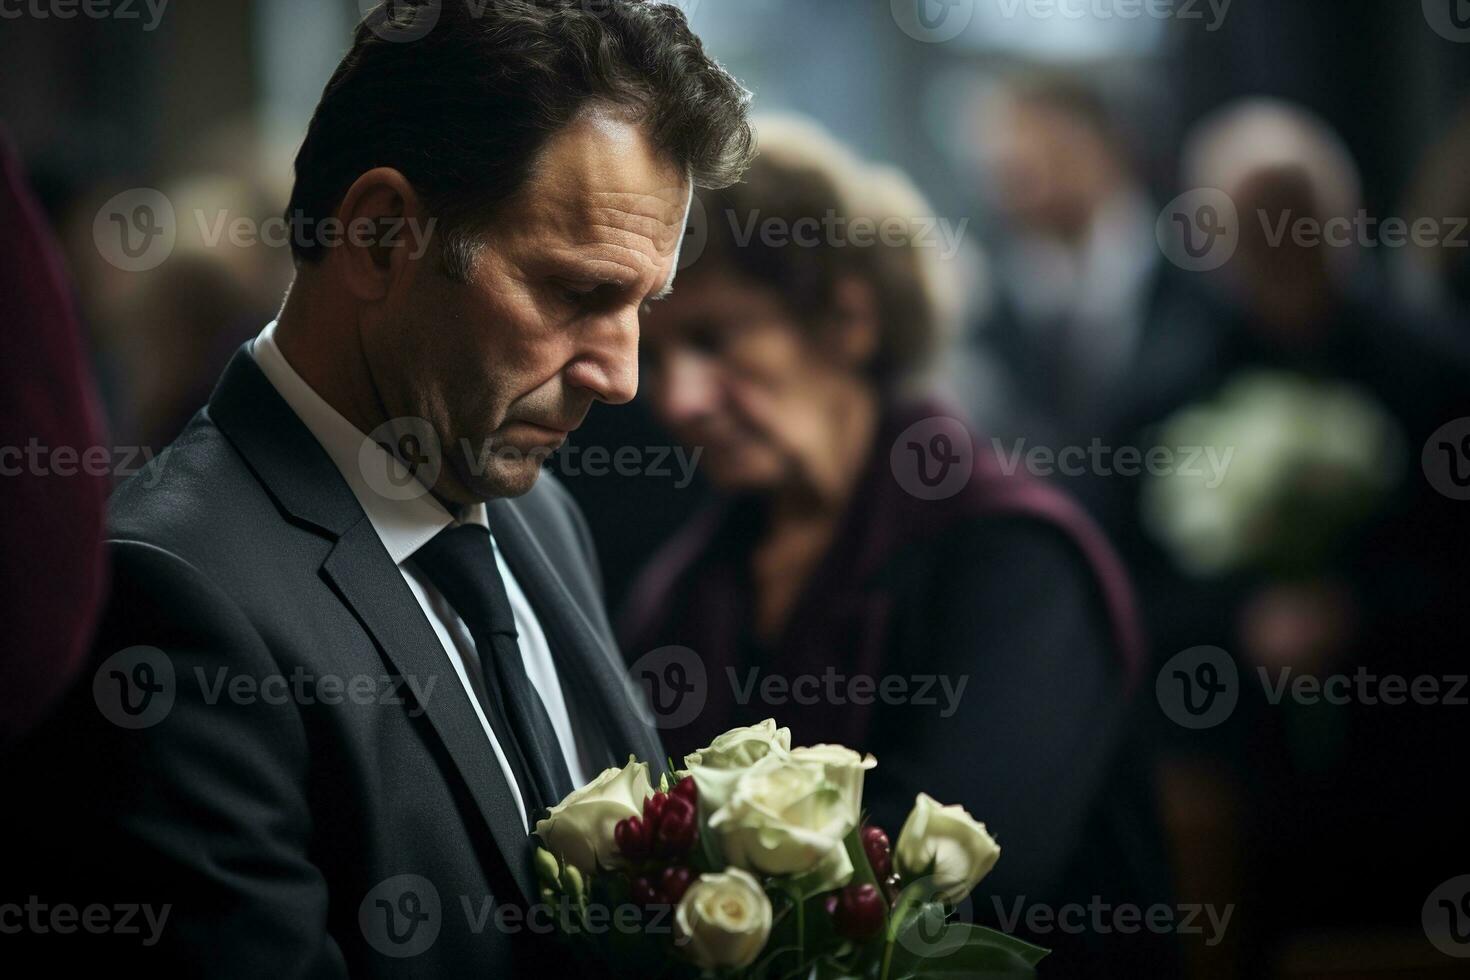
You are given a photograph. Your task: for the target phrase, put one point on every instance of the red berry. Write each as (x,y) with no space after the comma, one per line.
(880,854)
(675,835)
(675,882)
(653,807)
(632,838)
(678,806)
(860,912)
(686,789)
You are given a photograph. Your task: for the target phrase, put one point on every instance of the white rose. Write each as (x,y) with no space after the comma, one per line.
(580,828)
(948,843)
(786,818)
(725,920)
(718,766)
(843,768)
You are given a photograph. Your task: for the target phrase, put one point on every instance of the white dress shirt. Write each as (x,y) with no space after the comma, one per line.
(404,526)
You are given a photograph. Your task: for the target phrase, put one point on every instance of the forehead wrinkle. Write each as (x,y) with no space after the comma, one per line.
(647,215)
(632,237)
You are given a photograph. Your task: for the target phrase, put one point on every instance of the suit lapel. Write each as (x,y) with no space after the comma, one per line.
(585,660)
(372,585)
(287,459)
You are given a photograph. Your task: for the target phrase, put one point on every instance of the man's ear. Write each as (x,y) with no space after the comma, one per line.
(853,335)
(381,221)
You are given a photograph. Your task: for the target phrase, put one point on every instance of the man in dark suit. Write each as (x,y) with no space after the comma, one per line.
(354,645)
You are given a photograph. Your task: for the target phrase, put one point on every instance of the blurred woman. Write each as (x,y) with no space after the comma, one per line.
(975,633)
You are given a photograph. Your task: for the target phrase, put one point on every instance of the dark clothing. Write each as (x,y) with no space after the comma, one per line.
(1005,588)
(631,510)
(1323,777)
(278,827)
(1319,779)
(52,565)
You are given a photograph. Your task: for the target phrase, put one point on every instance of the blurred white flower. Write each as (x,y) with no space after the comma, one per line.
(1308,459)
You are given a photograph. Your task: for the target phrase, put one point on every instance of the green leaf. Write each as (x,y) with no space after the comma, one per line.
(976,936)
(962,949)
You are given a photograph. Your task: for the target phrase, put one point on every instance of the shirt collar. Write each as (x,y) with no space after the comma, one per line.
(404,526)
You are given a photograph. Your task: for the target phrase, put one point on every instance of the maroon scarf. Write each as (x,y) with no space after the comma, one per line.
(51,561)
(696,591)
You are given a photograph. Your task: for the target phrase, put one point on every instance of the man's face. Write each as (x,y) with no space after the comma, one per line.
(504,366)
(1048,168)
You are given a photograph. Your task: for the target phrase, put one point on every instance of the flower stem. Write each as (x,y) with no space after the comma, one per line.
(800,931)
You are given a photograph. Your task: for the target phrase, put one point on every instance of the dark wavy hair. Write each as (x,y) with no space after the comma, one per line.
(462,110)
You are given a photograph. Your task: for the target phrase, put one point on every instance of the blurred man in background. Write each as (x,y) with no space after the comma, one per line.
(1383,597)
(1075,267)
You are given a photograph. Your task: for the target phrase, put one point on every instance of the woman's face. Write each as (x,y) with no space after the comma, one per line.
(728,369)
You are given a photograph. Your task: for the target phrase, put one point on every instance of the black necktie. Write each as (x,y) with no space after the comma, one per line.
(460,561)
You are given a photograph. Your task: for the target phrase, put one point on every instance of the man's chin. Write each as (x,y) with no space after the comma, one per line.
(505,478)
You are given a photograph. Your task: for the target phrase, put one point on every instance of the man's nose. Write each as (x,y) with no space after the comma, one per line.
(607,363)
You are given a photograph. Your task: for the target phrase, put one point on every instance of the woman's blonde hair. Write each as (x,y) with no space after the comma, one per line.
(874,224)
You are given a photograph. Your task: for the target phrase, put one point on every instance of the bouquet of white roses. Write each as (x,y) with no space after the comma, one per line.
(1306,461)
(753,862)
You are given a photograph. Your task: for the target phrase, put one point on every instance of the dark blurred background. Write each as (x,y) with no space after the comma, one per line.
(1065,134)
(207,102)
